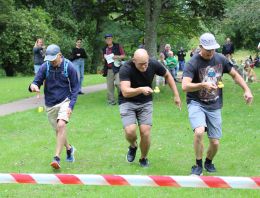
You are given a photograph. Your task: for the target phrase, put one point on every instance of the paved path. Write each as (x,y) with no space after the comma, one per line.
(33,102)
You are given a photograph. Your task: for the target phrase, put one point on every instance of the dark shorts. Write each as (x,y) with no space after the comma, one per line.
(211,119)
(131,112)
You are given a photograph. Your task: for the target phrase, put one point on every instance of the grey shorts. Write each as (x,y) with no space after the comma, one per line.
(131,112)
(210,119)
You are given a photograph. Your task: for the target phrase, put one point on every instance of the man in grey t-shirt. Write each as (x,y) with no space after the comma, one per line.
(202,80)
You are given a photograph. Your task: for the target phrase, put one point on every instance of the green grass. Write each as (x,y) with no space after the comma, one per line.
(14,88)
(96,131)
(242,55)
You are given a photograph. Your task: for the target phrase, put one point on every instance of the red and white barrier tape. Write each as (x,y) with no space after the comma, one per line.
(134,180)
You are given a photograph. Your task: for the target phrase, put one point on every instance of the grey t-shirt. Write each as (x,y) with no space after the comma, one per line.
(201,70)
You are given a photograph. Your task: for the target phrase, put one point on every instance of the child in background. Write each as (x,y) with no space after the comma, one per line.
(171,64)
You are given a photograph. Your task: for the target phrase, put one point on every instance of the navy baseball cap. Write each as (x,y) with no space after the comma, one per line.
(51,52)
(108,35)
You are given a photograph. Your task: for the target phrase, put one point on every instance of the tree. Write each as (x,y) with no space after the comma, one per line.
(242,23)
(17,41)
(6,7)
(152,13)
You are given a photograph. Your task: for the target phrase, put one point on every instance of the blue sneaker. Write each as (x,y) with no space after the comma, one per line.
(70,155)
(144,162)
(196,170)
(210,168)
(56,163)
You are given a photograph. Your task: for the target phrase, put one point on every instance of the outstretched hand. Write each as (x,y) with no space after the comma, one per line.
(177,101)
(34,88)
(248,97)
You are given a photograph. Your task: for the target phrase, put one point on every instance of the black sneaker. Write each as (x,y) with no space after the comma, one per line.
(210,167)
(196,170)
(144,162)
(130,156)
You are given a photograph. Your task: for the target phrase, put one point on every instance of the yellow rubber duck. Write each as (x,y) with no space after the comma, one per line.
(220,85)
(156,90)
(40,109)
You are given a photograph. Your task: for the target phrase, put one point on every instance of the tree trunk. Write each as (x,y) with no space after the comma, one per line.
(152,13)
(96,45)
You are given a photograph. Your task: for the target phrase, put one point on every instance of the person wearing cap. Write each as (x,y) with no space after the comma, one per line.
(77,57)
(202,80)
(61,88)
(113,54)
(135,101)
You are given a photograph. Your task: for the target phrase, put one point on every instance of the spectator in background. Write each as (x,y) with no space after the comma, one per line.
(113,54)
(228,49)
(160,79)
(181,58)
(38,54)
(172,64)
(167,49)
(78,56)
(192,52)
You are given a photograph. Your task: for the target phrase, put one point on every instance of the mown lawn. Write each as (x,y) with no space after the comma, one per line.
(96,131)
(14,88)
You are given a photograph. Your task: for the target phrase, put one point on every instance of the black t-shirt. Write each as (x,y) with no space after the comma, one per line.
(80,51)
(201,70)
(129,72)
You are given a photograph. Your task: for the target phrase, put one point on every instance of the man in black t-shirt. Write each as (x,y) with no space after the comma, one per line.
(135,100)
(203,84)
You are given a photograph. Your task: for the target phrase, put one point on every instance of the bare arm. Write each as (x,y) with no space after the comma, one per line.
(240,81)
(168,77)
(188,86)
(129,92)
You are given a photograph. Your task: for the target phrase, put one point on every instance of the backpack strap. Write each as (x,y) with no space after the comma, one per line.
(66,64)
(48,68)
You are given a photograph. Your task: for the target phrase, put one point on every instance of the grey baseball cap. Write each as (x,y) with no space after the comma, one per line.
(51,52)
(208,41)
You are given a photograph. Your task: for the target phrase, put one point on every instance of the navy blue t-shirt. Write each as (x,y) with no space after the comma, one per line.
(129,72)
(201,70)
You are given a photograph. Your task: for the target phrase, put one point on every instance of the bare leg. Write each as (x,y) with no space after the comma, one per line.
(61,137)
(130,135)
(198,142)
(145,140)
(213,148)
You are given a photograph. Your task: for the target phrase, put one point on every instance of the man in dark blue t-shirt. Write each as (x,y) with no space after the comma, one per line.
(135,100)
(202,80)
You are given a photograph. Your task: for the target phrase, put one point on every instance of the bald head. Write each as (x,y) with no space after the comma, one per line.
(141,59)
(140,54)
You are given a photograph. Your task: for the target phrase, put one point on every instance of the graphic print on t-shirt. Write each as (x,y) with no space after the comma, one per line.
(210,74)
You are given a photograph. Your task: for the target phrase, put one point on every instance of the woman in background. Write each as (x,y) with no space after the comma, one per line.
(38,54)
